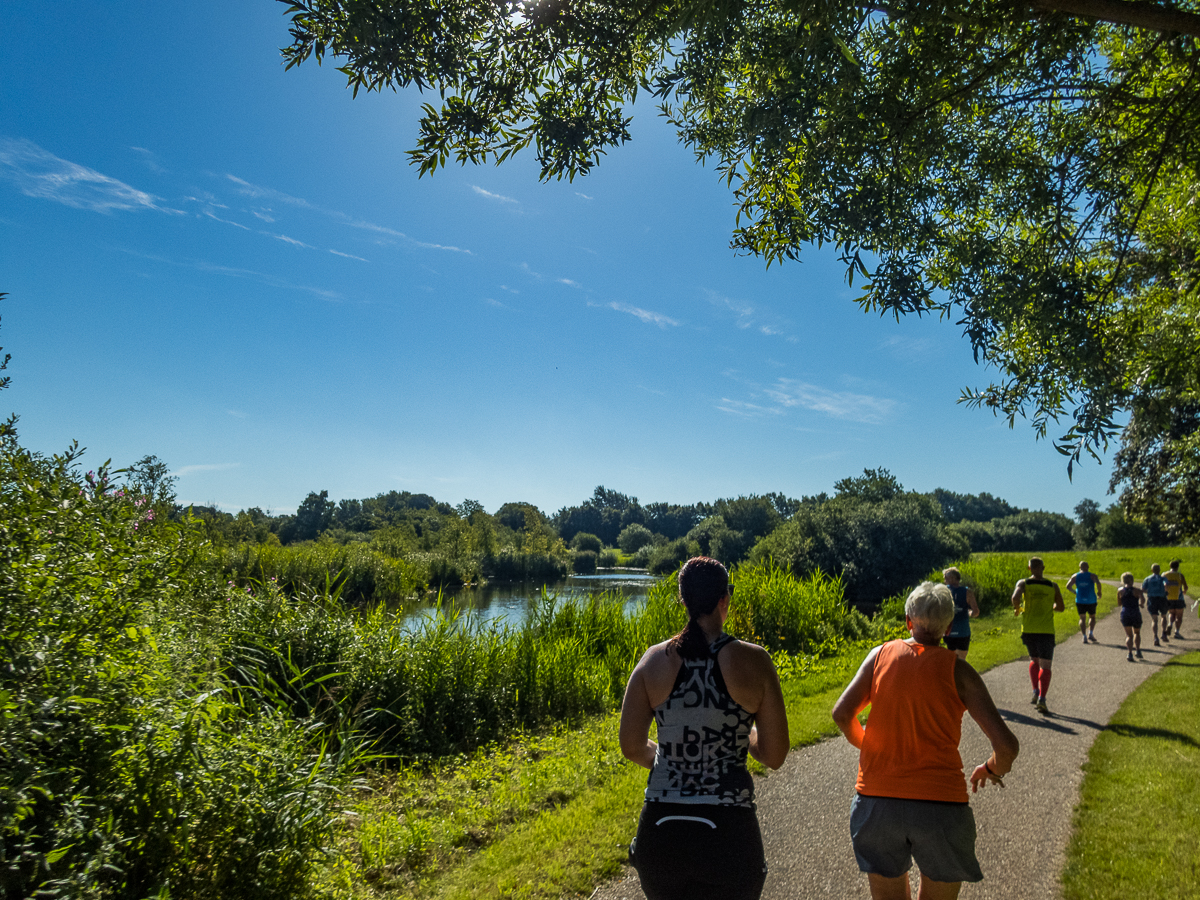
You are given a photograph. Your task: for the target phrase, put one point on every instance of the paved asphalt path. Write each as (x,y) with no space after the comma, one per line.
(804,807)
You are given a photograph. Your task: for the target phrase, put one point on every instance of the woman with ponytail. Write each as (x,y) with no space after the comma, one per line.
(714,699)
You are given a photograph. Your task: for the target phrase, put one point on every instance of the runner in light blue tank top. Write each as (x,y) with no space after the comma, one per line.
(1086,588)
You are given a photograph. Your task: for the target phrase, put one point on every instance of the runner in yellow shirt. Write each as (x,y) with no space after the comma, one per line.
(1176,600)
(1036,600)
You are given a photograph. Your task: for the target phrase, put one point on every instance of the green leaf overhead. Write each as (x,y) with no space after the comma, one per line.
(999,163)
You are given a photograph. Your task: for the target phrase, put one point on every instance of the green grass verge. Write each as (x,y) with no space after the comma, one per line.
(1137,822)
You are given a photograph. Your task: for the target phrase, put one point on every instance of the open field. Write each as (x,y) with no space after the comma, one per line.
(1109,564)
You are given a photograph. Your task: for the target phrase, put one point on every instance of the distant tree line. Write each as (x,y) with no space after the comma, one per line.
(878,536)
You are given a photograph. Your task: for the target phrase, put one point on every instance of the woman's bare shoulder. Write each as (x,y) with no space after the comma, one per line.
(746,655)
(659,656)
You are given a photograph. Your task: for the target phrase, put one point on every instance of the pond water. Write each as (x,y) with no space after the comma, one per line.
(510,602)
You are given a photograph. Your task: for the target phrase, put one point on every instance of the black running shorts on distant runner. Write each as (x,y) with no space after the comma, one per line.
(1040,646)
(957,643)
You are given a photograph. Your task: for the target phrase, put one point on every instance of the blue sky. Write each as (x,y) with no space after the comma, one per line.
(234,268)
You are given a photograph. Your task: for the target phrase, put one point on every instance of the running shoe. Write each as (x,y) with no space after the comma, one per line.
(1130,657)
(1092,638)
(1166,636)
(1085,640)
(1156,643)
(1139,655)
(1036,698)
(1041,707)
(1177,633)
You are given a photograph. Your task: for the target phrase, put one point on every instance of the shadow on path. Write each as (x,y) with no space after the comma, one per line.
(1049,722)
(1137,731)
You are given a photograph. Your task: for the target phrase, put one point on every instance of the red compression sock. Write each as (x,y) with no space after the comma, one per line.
(1033,672)
(1044,682)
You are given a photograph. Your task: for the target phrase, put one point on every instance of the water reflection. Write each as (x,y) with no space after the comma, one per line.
(510,602)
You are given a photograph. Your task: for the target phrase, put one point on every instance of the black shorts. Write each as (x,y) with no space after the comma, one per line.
(1131,618)
(1156,606)
(957,643)
(1040,646)
(1176,604)
(687,850)
(1085,609)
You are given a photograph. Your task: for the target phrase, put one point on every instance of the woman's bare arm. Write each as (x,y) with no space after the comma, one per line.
(854,700)
(636,716)
(769,738)
(1005,746)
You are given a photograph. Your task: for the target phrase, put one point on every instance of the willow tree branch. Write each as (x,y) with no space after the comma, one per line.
(1138,13)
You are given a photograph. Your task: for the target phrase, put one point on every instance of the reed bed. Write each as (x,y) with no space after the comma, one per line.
(449,683)
(361,573)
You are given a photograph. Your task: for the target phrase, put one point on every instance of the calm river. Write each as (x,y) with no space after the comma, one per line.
(509,602)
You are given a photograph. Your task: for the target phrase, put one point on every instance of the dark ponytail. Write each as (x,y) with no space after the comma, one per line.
(702,583)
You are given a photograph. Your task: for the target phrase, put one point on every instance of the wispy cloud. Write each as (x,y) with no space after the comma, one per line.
(217,218)
(237,414)
(568,282)
(38,173)
(911,346)
(184,471)
(201,265)
(348,255)
(150,160)
(647,316)
(428,246)
(490,301)
(747,316)
(847,405)
(247,189)
(747,410)
(584,196)
(290,240)
(498,197)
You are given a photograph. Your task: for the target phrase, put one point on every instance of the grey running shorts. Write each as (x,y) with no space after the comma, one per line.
(888,834)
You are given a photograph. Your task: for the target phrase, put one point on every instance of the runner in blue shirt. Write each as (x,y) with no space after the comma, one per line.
(1155,587)
(1086,587)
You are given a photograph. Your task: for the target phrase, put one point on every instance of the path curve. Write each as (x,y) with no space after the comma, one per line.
(804,807)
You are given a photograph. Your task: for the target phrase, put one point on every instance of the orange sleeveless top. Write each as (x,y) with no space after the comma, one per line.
(910,749)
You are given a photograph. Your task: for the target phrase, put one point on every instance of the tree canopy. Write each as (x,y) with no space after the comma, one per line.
(1018,167)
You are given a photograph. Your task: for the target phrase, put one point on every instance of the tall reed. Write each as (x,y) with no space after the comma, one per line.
(448,682)
(363,574)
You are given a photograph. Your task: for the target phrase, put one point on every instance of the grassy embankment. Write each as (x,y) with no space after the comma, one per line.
(1137,822)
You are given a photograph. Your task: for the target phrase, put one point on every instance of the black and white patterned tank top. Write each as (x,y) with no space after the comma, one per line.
(703,739)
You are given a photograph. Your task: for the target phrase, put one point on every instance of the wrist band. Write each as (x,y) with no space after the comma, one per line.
(989,769)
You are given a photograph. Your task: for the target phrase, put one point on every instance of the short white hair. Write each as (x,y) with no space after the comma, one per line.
(931,605)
